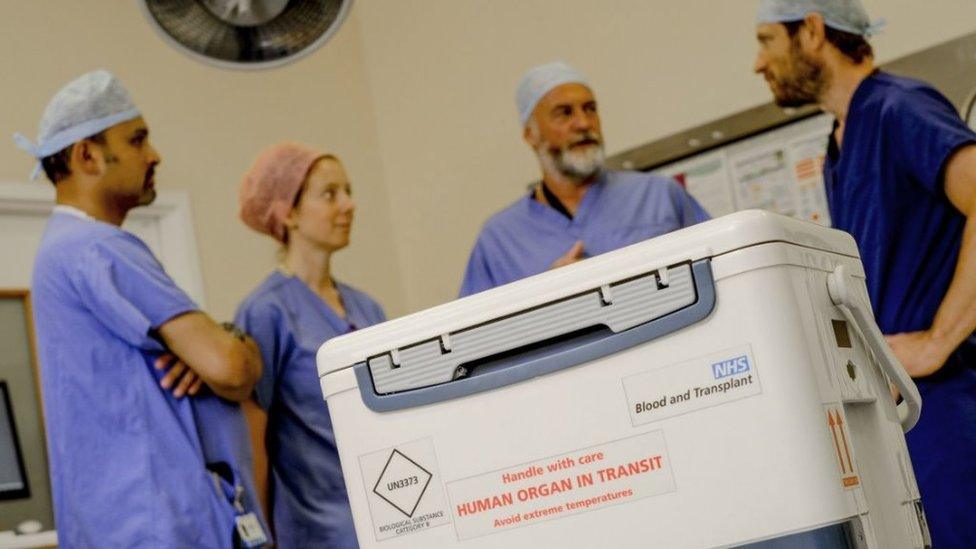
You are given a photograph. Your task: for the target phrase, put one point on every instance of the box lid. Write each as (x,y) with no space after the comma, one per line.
(703,241)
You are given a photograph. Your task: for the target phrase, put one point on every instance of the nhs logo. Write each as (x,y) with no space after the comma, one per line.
(730,367)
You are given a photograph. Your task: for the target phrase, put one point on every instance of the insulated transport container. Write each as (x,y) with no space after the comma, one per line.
(723,385)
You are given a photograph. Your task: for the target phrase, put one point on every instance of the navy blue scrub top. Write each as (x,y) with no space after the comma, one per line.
(885,187)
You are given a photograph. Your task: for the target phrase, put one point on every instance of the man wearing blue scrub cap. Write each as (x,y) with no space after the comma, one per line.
(133,463)
(900,176)
(579,209)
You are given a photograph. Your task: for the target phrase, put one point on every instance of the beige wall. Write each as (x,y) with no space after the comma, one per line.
(416,96)
(208,124)
(443,80)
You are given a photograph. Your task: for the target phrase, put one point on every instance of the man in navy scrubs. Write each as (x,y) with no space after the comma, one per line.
(900,177)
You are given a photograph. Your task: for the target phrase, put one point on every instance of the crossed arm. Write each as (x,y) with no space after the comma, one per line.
(208,354)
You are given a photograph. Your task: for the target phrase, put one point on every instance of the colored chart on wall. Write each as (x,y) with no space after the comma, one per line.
(780,171)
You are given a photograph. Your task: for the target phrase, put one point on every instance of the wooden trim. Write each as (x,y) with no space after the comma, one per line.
(10,293)
(25,296)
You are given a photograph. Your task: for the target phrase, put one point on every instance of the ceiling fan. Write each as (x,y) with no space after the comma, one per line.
(246,34)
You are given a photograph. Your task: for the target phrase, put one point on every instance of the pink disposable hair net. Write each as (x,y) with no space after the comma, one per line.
(270,187)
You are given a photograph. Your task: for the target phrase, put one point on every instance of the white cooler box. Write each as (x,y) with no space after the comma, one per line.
(719,386)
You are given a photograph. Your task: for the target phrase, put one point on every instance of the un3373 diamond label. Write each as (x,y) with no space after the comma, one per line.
(404,489)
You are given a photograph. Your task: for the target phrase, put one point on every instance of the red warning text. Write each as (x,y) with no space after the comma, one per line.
(575,482)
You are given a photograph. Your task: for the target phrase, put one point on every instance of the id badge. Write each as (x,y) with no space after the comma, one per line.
(250,530)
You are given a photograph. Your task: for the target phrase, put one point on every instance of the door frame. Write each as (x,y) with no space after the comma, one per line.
(170,213)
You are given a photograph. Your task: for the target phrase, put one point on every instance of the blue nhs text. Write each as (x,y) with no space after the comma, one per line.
(730,367)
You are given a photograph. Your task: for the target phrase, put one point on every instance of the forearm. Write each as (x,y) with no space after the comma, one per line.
(956,318)
(257,421)
(229,366)
(235,372)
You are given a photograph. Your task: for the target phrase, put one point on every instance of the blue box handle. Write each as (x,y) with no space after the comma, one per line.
(566,352)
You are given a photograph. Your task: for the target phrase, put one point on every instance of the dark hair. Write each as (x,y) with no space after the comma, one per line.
(853,46)
(56,165)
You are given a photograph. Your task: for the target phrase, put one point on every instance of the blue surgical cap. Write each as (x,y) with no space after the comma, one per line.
(539,81)
(843,15)
(87,105)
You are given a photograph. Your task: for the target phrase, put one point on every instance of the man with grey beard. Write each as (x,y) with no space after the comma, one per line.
(579,209)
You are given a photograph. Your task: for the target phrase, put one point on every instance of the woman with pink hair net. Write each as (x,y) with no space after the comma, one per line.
(302,198)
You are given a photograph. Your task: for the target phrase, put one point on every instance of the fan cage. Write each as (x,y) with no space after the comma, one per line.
(303,27)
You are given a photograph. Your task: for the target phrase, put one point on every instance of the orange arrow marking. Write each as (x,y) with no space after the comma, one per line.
(843,436)
(833,434)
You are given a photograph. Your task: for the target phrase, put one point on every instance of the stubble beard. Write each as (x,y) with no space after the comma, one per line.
(804,84)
